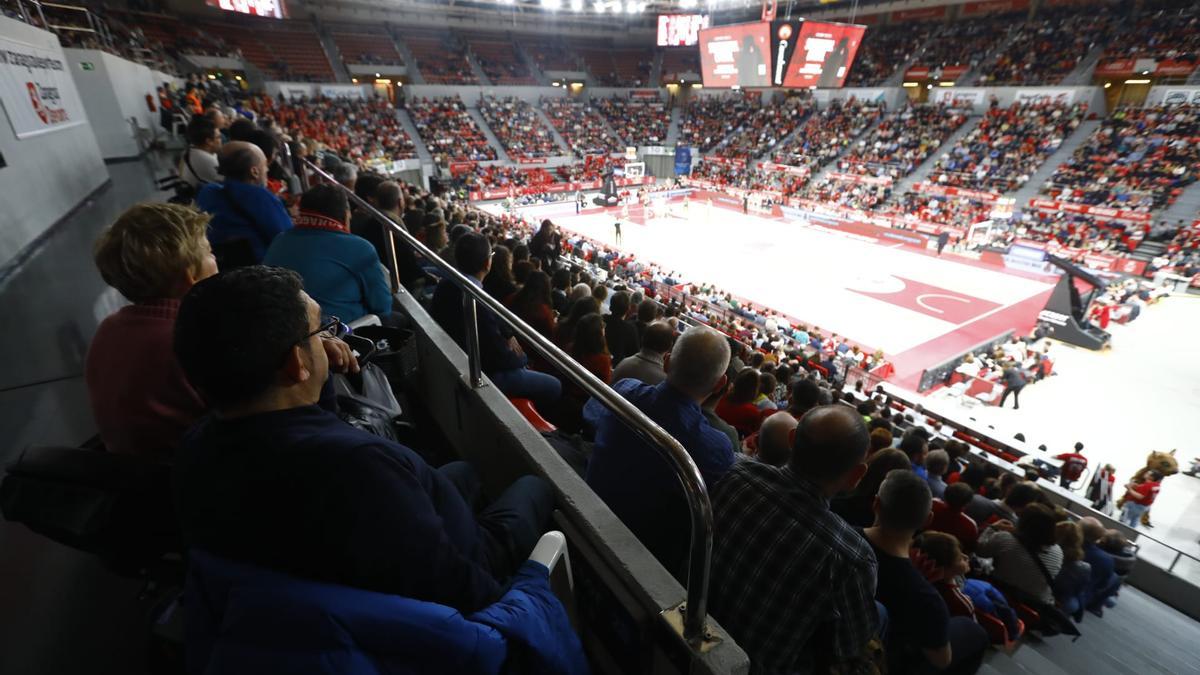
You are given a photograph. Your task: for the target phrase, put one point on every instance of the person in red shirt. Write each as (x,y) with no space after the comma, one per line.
(948,515)
(738,408)
(1139,497)
(1073,467)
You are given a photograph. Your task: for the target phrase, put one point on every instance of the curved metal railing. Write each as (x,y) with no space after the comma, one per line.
(685,468)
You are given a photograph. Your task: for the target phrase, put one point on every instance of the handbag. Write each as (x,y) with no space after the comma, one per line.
(365,401)
(1054,620)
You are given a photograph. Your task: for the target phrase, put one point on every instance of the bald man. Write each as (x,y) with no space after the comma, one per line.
(774,439)
(785,567)
(246,215)
(632,477)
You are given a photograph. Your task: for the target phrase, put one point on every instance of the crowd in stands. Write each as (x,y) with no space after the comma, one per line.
(902,141)
(1139,159)
(1007,146)
(442,59)
(1047,48)
(448,131)
(1167,30)
(637,122)
(959,212)
(707,120)
(966,42)
(500,62)
(765,126)
(851,195)
(825,135)
(592,167)
(518,127)
(356,129)
(886,48)
(480,177)
(581,126)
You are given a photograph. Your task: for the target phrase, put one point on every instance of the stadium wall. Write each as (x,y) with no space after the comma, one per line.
(47,175)
(979,98)
(114,91)
(471,94)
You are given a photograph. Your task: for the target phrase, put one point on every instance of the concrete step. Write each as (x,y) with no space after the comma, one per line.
(1185,208)
(1085,69)
(406,123)
(673,128)
(410,61)
(564,148)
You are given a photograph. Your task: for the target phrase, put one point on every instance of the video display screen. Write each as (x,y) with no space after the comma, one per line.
(268,8)
(736,55)
(786,53)
(680,30)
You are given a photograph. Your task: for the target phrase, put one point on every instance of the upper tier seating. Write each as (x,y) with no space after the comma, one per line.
(553,55)
(285,50)
(965,43)
(358,130)
(1047,48)
(500,61)
(886,48)
(442,59)
(1164,31)
(677,62)
(365,44)
(619,67)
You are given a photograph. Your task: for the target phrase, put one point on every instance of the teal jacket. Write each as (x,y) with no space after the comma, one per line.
(341,271)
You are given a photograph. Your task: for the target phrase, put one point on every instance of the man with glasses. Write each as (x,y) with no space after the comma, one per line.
(275,480)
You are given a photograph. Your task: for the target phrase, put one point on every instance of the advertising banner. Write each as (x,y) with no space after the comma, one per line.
(958,98)
(683,160)
(1045,95)
(1182,97)
(921,14)
(948,191)
(36,90)
(821,53)
(736,55)
(857,178)
(994,7)
(1097,212)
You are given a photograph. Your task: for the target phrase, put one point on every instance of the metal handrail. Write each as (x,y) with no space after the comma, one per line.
(685,468)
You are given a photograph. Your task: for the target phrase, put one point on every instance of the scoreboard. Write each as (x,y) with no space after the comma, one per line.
(785,53)
(680,30)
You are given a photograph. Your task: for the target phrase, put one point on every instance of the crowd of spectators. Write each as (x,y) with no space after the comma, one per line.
(1139,159)
(637,122)
(847,194)
(591,167)
(966,42)
(826,135)
(1007,146)
(759,132)
(360,130)
(902,141)
(492,177)
(960,212)
(1047,48)
(1167,30)
(448,131)
(581,126)
(442,59)
(707,120)
(886,48)
(518,127)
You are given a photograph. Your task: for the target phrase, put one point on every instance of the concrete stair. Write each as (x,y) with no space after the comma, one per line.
(489,135)
(531,64)
(1186,208)
(1085,69)
(673,128)
(477,69)
(406,122)
(971,77)
(823,171)
(799,127)
(331,52)
(410,61)
(1033,186)
(558,138)
(656,70)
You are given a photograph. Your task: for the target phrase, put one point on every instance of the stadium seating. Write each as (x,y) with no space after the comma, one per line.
(500,61)
(707,120)
(676,62)
(637,122)
(1007,146)
(1166,30)
(359,130)
(1047,48)
(518,127)
(442,59)
(765,126)
(553,55)
(448,131)
(826,134)
(1138,159)
(886,48)
(904,139)
(612,67)
(365,44)
(963,44)
(285,50)
(582,126)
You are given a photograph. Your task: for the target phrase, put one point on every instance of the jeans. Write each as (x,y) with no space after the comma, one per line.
(1016,394)
(513,523)
(1100,593)
(1131,514)
(544,390)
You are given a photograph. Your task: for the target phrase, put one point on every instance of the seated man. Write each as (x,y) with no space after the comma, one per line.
(341,271)
(648,364)
(785,608)
(986,511)
(948,516)
(622,335)
(634,479)
(198,165)
(275,480)
(920,629)
(246,216)
(502,358)
(774,439)
(141,401)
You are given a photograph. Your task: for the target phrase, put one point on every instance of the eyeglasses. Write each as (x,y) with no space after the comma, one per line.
(330,329)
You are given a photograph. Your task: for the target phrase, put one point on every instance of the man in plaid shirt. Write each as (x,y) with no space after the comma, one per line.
(792,582)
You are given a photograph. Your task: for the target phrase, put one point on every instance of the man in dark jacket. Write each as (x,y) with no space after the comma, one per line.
(1014,382)
(622,335)
(246,216)
(502,358)
(276,480)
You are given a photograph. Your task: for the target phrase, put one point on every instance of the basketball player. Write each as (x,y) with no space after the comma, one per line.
(625,211)
(617,231)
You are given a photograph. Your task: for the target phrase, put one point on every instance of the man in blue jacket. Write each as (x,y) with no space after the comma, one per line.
(246,216)
(275,480)
(502,358)
(341,270)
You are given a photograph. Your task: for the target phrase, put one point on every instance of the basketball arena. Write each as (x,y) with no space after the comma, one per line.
(701,337)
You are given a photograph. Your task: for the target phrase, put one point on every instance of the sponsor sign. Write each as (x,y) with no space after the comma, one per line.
(962,98)
(1097,212)
(922,14)
(948,191)
(1045,95)
(1182,97)
(993,7)
(36,89)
